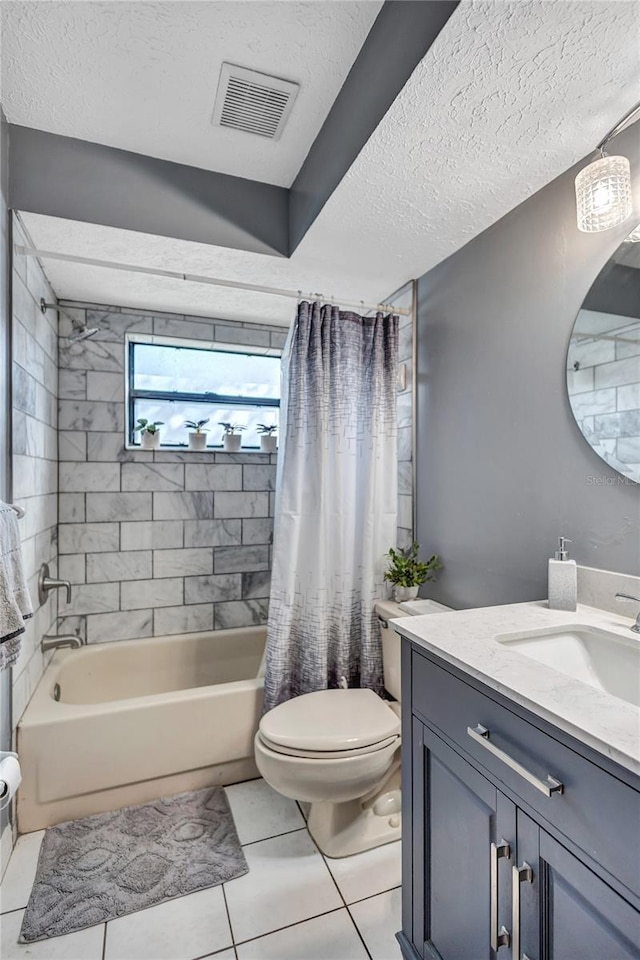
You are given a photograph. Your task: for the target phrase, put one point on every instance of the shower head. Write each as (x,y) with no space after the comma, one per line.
(80,331)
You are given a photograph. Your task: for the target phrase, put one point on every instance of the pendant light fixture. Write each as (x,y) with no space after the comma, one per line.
(634,236)
(603,189)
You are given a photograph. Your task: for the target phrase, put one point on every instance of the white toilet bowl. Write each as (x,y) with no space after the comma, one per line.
(337,750)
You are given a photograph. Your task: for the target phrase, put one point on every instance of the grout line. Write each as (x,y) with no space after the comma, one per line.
(372,895)
(357,928)
(284,833)
(226,906)
(206,956)
(104,943)
(5,913)
(288,926)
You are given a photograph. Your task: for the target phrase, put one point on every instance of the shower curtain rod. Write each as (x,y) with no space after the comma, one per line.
(197,278)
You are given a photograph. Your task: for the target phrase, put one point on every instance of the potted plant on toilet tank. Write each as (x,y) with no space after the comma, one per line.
(149,433)
(407,573)
(198,436)
(231,437)
(268,441)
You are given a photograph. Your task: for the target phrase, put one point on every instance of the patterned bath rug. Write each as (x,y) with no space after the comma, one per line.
(111,864)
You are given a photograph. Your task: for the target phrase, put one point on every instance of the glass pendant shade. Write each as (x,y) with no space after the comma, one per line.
(634,236)
(603,194)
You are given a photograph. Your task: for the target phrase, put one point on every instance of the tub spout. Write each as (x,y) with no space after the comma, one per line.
(49,642)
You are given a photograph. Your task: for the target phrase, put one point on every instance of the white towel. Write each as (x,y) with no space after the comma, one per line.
(15,603)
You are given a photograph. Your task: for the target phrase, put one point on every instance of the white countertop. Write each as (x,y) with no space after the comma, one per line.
(465,639)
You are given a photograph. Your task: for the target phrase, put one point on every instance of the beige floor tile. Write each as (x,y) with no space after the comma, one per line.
(330,937)
(83,945)
(259,812)
(368,873)
(19,875)
(378,919)
(287,882)
(179,929)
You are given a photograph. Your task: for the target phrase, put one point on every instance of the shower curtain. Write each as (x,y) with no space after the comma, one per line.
(336,502)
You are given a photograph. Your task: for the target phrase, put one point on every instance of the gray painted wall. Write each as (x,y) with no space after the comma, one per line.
(502,468)
(78,180)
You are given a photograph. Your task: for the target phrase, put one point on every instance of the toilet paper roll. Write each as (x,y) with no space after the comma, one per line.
(10,777)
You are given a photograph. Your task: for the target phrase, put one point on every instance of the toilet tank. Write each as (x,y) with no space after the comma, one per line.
(388,610)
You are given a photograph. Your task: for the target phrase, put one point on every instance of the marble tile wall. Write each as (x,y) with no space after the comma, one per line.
(35,451)
(154,542)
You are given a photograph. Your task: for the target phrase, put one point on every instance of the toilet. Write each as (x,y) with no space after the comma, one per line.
(339,751)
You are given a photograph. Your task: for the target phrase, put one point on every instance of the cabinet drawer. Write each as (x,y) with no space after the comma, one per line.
(595,810)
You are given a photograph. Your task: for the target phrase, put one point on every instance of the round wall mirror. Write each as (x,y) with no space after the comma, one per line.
(603,363)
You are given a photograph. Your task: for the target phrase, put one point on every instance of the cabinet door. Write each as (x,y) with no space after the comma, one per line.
(469,831)
(582,918)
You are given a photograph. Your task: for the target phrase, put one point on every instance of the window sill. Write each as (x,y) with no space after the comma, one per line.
(209,455)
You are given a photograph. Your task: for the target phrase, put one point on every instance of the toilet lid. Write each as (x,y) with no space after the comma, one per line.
(330,720)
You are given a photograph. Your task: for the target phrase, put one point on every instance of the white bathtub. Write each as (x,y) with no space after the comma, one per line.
(121,723)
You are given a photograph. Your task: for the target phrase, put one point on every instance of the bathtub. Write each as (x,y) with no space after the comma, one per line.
(122,723)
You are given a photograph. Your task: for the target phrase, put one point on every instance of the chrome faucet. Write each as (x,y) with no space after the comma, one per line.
(627,596)
(49,642)
(46,583)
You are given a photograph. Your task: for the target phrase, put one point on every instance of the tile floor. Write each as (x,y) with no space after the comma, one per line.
(294,904)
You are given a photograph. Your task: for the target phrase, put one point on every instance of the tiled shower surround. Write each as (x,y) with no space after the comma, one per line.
(35,474)
(163,542)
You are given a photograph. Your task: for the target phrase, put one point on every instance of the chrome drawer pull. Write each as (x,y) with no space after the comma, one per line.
(523,874)
(499,938)
(548,786)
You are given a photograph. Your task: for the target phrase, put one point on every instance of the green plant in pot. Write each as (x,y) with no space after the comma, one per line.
(149,433)
(198,436)
(268,440)
(231,436)
(407,573)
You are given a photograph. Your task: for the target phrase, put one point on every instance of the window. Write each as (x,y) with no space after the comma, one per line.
(177,380)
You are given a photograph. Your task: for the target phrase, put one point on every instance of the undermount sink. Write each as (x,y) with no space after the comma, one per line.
(601,659)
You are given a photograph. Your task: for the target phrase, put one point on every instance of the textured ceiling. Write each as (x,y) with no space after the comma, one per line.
(509,96)
(143,76)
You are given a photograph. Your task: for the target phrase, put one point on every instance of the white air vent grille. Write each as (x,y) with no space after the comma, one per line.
(253,102)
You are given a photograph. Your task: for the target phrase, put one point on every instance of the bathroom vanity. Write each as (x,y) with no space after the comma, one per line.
(521,785)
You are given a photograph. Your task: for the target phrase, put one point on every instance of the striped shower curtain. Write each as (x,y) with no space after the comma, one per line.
(336,502)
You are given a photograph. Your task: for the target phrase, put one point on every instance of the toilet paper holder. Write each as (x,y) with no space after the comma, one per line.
(4,786)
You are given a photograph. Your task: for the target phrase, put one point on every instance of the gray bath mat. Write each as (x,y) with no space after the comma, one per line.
(111,864)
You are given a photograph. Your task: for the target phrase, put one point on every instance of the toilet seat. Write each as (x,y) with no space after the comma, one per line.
(327,754)
(330,723)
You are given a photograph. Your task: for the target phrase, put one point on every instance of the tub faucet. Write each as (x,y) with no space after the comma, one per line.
(47,583)
(49,642)
(627,596)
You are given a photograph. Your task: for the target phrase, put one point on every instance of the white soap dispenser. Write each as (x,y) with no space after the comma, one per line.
(563,579)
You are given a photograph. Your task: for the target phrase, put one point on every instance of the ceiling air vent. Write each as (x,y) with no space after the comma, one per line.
(253,102)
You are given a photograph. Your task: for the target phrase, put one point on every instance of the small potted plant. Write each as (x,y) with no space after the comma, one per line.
(407,573)
(149,433)
(231,437)
(198,438)
(268,442)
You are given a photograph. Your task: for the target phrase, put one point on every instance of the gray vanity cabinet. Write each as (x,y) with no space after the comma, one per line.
(486,873)
(462,896)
